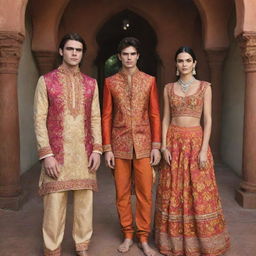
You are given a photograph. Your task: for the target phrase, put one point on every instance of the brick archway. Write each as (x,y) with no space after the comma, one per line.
(46,16)
(49,19)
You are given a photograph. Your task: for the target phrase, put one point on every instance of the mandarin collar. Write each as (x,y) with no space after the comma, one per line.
(125,75)
(67,71)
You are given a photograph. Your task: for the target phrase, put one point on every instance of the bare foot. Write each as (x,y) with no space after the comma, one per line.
(125,245)
(148,251)
(82,253)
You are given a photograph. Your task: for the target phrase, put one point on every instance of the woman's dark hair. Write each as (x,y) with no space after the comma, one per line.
(187,50)
(72,36)
(129,41)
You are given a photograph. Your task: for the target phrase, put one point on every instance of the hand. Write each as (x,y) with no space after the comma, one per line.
(51,167)
(110,159)
(202,159)
(94,162)
(167,156)
(155,157)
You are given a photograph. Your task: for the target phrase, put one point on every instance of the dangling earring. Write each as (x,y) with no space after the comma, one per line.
(177,72)
(194,71)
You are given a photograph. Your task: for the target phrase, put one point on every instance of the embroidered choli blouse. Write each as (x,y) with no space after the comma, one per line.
(190,105)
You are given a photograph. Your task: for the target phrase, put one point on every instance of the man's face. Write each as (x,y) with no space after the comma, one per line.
(72,53)
(129,57)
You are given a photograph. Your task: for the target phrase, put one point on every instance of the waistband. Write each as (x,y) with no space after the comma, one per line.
(185,129)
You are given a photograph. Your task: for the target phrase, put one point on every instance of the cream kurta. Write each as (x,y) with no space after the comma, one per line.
(74,172)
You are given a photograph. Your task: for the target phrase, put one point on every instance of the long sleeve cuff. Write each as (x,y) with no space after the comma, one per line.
(48,155)
(107,148)
(45,152)
(156,145)
(97,147)
(96,151)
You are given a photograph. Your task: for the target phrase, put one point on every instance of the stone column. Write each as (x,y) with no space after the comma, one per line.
(216,61)
(246,194)
(10,188)
(165,73)
(46,61)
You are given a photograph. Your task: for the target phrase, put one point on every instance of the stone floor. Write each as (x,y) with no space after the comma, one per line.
(20,233)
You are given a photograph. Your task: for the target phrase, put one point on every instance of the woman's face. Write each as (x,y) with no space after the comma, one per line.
(184,63)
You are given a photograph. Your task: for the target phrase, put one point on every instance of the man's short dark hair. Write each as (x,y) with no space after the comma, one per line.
(72,36)
(129,41)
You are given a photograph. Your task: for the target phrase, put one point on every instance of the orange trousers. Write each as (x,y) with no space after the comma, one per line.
(143,180)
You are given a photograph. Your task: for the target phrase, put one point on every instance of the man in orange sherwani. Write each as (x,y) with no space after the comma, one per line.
(131,141)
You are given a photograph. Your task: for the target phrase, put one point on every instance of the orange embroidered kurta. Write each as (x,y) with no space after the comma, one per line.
(64,102)
(131,118)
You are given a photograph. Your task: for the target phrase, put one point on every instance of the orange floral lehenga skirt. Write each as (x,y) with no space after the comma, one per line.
(189,219)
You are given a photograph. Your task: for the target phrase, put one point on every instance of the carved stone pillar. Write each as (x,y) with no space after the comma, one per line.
(10,188)
(246,194)
(216,61)
(46,61)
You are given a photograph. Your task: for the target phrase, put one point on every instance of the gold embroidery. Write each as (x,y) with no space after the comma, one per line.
(191,105)
(156,145)
(214,246)
(83,246)
(132,124)
(107,148)
(74,173)
(56,186)
(189,218)
(48,252)
(44,151)
(73,91)
(97,147)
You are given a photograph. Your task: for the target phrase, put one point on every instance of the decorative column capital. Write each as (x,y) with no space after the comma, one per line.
(10,51)
(247,43)
(46,61)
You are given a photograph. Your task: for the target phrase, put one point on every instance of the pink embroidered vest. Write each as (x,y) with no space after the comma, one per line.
(56,112)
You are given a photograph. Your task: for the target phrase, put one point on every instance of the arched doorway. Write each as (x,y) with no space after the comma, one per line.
(126,23)
(50,21)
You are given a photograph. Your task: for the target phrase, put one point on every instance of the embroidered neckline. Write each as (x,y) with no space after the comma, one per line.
(124,74)
(73,90)
(190,105)
(66,71)
(190,95)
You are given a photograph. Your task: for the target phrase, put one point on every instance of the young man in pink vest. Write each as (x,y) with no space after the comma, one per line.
(68,132)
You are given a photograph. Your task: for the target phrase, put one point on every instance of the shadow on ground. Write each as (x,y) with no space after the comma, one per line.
(20,232)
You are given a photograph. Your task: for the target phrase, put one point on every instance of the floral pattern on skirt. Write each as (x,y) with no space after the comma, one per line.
(189,219)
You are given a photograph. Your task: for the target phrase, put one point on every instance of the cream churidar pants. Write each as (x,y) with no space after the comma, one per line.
(55,205)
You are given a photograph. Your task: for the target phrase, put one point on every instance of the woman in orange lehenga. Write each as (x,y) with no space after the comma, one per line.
(189,219)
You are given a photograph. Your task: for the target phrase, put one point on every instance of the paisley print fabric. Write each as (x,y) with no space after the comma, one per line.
(189,219)
(131,118)
(68,126)
(190,105)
